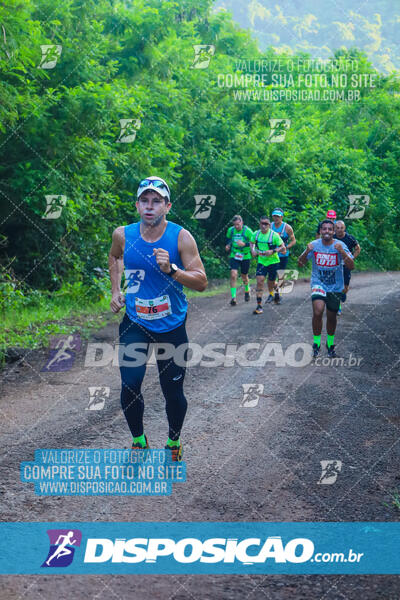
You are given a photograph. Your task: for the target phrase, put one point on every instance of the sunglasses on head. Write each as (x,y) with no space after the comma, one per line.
(157,183)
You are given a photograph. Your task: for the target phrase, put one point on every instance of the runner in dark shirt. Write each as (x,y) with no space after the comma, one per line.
(354,247)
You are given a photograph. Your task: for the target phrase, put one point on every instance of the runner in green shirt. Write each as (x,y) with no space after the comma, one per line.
(266,244)
(238,239)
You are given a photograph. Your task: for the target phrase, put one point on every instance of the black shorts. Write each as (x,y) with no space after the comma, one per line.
(332,300)
(283,260)
(242,265)
(346,275)
(133,365)
(270,270)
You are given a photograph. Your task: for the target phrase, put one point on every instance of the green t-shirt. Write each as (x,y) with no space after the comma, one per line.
(244,235)
(267,241)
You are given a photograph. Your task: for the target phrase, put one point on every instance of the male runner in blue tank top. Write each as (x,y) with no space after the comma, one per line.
(328,257)
(159,258)
(286,233)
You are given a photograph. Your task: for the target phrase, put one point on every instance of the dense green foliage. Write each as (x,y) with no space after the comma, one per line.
(121,60)
(321,27)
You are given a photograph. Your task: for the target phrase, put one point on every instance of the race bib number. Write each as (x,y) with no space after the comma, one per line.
(238,256)
(326,259)
(318,290)
(155,308)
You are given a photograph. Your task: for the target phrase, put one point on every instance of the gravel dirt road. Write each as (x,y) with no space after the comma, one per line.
(259,463)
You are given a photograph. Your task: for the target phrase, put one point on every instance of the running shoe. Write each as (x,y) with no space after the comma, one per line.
(233,302)
(258,310)
(277,298)
(339,312)
(316,350)
(331,352)
(247,296)
(176,452)
(269,299)
(139,446)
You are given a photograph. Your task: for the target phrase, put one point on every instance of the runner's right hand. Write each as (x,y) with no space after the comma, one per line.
(117,302)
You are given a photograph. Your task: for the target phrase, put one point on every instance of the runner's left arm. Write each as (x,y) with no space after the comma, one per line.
(290,232)
(248,234)
(356,250)
(345,254)
(194,275)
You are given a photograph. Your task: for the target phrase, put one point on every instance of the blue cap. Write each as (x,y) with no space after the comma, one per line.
(278,212)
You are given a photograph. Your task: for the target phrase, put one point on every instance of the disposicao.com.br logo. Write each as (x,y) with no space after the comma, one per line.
(200,547)
(249,551)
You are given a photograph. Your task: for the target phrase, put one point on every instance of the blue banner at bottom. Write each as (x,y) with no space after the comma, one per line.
(200,548)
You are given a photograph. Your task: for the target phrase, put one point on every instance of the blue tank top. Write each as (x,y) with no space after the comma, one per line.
(153,298)
(284,235)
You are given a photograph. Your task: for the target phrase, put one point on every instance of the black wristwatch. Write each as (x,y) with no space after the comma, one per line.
(173,270)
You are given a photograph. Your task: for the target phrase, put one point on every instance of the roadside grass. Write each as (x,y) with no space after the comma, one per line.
(218,287)
(394,500)
(31,320)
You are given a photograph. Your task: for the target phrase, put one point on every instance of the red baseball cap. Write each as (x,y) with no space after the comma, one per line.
(331,214)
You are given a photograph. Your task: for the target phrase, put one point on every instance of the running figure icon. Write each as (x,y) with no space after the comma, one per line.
(62,346)
(62,549)
(63,351)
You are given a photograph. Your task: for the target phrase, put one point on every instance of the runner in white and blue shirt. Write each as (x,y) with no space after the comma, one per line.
(328,257)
